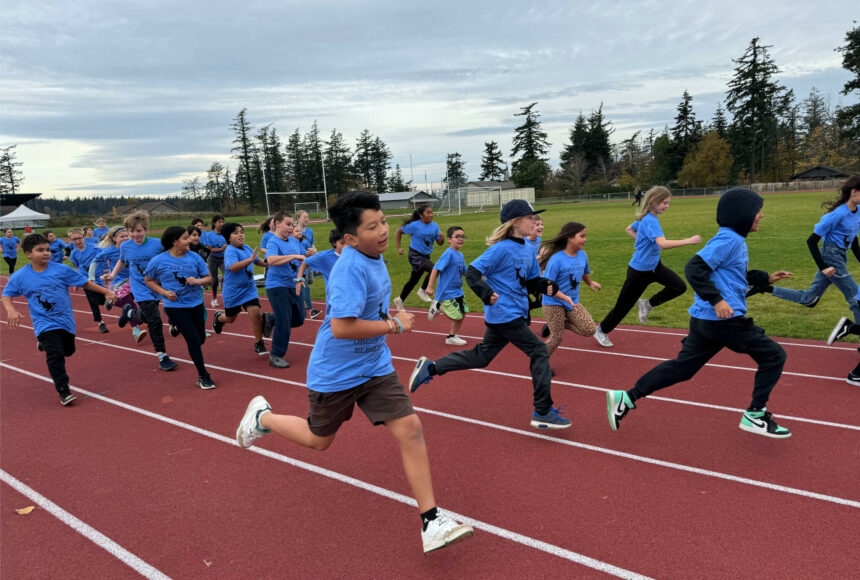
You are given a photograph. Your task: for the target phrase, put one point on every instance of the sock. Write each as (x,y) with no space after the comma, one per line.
(259,425)
(428,517)
(161,355)
(450,336)
(431,368)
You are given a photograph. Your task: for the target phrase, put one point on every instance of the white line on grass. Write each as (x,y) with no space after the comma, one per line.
(90,533)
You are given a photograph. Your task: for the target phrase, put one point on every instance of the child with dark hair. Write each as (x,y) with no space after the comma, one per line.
(351,364)
(838,229)
(449,271)
(194,245)
(240,291)
(566,263)
(177,275)
(102,265)
(283,255)
(59,249)
(423,232)
(45,285)
(82,257)
(718,274)
(503,277)
(216,244)
(267,229)
(10,244)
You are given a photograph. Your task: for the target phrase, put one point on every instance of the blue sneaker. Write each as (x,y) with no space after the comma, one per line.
(421,374)
(552,420)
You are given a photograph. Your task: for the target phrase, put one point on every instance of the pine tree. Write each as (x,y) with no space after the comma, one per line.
(294,167)
(312,170)
(493,166)
(244,151)
(338,164)
(363,159)
(277,165)
(455,171)
(848,117)
(380,157)
(816,112)
(685,133)
(396,183)
(530,143)
(719,123)
(598,148)
(11,177)
(578,139)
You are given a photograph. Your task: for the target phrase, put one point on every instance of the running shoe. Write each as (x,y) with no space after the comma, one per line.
(214,303)
(314,313)
(422,294)
(443,532)
(762,423)
(434,310)
(249,429)
(545,332)
(205,382)
(601,338)
(260,348)
(455,341)
(421,374)
(67,399)
(398,303)
(268,324)
(840,331)
(138,333)
(645,308)
(552,420)
(216,325)
(165,364)
(125,315)
(618,403)
(278,362)
(174,330)
(853,379)
(103,327)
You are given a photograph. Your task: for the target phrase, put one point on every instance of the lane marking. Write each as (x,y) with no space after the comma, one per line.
(96,537)
(363,485)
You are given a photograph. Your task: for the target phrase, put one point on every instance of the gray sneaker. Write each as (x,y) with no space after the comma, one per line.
(645,308)
(248,430)
(602,338)
(278,362)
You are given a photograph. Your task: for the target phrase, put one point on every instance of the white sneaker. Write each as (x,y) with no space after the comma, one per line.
(248,432)
(645,309)
(398,303)
(443,532)
(422,294)
(455,340)
(434,310)
(603,339)
(214,303)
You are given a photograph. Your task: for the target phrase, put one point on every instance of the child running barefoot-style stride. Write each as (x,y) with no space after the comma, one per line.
(45,285)
(719,276)
(177,275)
(239,291)
(645,267)
(351,364)
(82,257)
(423,232)
(565,262)
(448,298)
(502,277)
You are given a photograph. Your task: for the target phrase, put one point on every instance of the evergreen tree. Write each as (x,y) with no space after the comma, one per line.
(294,166)
(312,179)
(719,123)
(396,183)
(11,177)
(380,157)
(338,164)
(848,117)
(685,133)
(455,171)
(530,169)
(598,148)
(578,139)
(493,166)
(277,163)
(363,159)
(816,112)
(243,150)
(661,165)
(214,189)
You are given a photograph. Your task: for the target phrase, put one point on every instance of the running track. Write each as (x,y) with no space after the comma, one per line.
(141,475)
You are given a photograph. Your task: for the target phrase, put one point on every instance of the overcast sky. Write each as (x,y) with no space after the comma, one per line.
(112,96)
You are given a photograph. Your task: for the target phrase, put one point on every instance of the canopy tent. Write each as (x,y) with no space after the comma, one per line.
(23,217)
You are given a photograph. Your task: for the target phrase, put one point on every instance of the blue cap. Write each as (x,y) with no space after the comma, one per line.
(517,208)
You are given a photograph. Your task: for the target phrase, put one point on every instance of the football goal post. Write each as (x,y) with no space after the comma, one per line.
(300,197)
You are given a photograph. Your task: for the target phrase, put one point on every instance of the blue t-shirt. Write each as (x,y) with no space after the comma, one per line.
(214,240)
(567,271)
(10,246)
(137,258)
(91,241)
(99,232)
(47,295)
(304,243)
(726,254)
(308,234)
(838,226)
(423,236)
(239,287)
(265,239)
(170,272)
(322,262)
(506,266)
(452,268)
(646,252)
(81,260)
(58,250)
(283,276)
(535,245)
(105,260)
(359,288)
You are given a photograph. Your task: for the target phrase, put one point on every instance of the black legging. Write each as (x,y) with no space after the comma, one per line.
(150,315)
(11,262)
(95,300)
(635,285)
(420,264)
(190,322)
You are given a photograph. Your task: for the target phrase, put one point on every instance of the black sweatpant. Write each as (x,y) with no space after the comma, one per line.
(635,285)
(497,337)
(11,263)
(58,344)
(150,315)
(421,263)
(191,325)
(95,300)
(706,339)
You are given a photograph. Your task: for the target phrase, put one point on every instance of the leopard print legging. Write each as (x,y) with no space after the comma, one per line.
(577,320)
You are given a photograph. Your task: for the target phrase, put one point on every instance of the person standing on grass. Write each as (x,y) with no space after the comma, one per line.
(565,262)
(216,244)
(82,257)
(135,255)
(177,275)
(10,243)
(240,291)
(423,232)
(59,249)
(838,228)
(351,364)
(101,230)
(283,255)
(719,276)
(45,285)
(645,267)
(503,277)
(449,271)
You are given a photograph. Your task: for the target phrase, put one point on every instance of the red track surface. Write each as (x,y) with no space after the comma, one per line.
(678,492)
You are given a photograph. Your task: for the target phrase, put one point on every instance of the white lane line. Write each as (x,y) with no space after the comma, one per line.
(363,485)
(90,533)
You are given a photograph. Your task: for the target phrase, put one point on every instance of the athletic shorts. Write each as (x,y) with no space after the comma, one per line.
(454,308)
(234,310)
(381,399)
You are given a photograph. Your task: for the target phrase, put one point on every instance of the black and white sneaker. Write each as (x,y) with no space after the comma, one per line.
(205,382)
(103,327)
(165,364)
(853,379)
(67,399)
(260,348)
(314,313)
(217,326)
(840,331)
(174,330)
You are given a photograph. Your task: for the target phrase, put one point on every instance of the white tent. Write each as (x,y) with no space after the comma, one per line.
(23,217)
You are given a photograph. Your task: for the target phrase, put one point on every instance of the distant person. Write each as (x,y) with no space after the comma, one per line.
(101,230)
(449,297)
(424,232)
(637,196)
(82,257)
(59,249)
(283,255)
(216,244)
(11,244)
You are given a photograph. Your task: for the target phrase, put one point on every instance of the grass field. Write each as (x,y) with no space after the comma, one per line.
(780,244)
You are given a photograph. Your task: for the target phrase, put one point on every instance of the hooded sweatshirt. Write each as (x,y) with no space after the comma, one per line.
(719,270)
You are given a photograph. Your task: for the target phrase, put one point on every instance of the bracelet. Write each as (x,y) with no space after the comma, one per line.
(399,325)
(298,280)
(391,328)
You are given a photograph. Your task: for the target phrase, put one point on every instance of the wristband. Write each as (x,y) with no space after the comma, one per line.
(297,280)
(391,328)
(399,325)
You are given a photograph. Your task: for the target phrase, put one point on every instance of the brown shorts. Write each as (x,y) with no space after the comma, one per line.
(381,399)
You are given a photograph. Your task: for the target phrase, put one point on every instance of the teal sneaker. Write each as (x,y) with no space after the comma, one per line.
(618,403)
(762,423)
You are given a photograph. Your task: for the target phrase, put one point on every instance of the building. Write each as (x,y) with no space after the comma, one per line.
(819,173)
(404,199)
(152,207)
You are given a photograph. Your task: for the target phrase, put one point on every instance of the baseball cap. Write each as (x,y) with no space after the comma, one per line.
(517,208)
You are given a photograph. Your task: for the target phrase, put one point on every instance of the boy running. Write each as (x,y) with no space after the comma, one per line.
(449,270)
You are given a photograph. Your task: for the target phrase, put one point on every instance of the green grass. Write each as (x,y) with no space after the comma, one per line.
(780,244)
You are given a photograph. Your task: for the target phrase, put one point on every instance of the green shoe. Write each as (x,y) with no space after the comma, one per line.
(762,423)
(618,403)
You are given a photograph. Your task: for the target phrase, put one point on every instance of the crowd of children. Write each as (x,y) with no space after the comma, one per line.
(121,267)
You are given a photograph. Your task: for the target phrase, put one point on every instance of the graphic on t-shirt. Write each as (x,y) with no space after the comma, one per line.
(573,282)
(382,314)
(521,279)
(249,274)
(139,269)
(429,241)
(181,279)
(48,306)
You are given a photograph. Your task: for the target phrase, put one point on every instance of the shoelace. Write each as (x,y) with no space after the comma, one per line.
(557,411)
